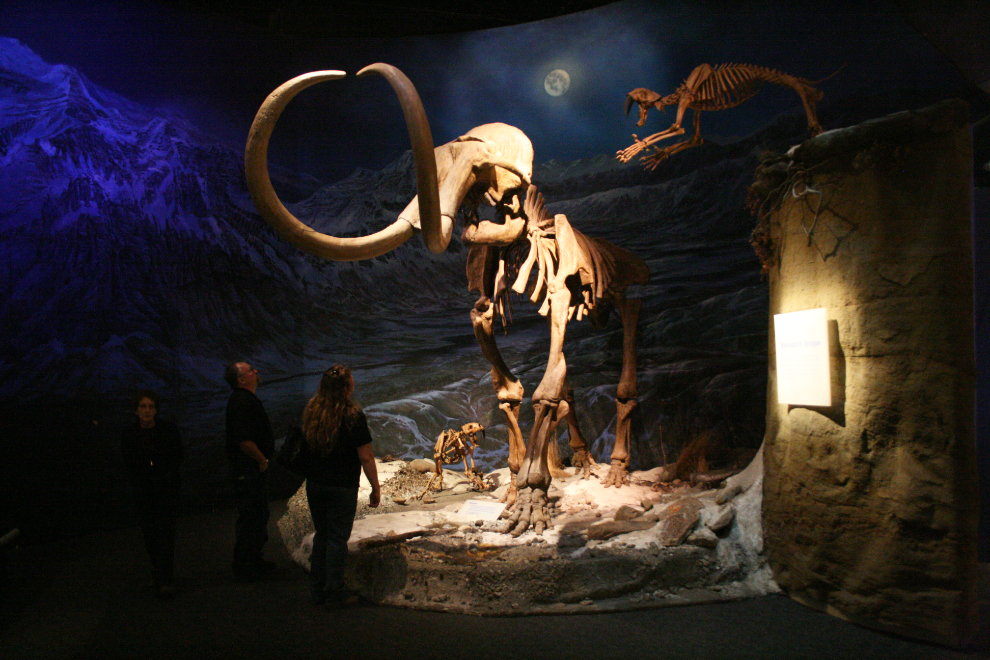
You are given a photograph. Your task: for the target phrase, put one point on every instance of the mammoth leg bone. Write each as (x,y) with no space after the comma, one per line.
(507,387)
(581,459)
(531,508)
(625,401)
(534,478)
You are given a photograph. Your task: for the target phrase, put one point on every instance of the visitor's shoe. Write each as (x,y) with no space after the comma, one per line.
(347,599)
(245,573)
(165,591)
(265,567)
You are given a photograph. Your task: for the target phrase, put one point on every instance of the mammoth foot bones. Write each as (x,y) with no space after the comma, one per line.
(583,462)
(530,510)
(618,475)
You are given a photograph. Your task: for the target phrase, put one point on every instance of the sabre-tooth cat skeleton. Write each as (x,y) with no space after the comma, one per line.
(708,89)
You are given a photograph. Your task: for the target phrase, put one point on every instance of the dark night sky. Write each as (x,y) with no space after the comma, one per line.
(216,69)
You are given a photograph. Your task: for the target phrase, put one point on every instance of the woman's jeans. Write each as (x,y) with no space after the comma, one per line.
(333,509)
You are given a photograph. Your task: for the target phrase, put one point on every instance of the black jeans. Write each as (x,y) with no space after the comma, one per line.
(333,510)
(158,504)
(251,529)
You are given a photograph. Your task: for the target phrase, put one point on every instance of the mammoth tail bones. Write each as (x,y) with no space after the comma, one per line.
(709,89)
(574,275)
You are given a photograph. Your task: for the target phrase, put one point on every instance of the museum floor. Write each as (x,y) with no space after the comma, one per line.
(89,597)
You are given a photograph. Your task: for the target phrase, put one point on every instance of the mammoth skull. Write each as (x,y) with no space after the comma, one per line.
(488,163)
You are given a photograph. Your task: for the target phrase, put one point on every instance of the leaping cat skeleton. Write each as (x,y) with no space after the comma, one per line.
(709,89)
(575,275)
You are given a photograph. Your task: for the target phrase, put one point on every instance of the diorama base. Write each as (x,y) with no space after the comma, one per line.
(608,549)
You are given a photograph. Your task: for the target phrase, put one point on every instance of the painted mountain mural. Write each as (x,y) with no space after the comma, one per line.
(131,256)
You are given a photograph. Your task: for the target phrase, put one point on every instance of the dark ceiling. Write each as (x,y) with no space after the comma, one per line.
(956,27)
(385,18)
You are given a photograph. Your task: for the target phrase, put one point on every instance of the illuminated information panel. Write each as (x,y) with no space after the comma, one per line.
(478,509)
(801,342)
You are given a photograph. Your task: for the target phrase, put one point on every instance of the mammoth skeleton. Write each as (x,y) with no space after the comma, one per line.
(574,275)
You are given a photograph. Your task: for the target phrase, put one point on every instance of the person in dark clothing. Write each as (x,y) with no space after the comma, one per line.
(250,443)
(337,446)
(152,452)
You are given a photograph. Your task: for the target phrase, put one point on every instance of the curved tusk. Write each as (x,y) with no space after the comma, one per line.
(272,209)
(421,140)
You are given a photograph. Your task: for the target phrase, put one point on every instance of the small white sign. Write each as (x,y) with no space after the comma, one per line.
(481,509)
(801,342)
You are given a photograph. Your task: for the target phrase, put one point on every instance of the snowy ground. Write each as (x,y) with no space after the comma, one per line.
(432,556)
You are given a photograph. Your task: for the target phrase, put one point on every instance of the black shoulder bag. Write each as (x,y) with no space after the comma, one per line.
(291,455)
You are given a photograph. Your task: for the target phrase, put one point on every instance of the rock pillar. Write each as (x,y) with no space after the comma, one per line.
(871,504)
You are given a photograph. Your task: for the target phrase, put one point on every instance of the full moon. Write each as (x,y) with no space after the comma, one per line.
(557,82)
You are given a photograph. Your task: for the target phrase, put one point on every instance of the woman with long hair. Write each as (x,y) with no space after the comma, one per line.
(337,447)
